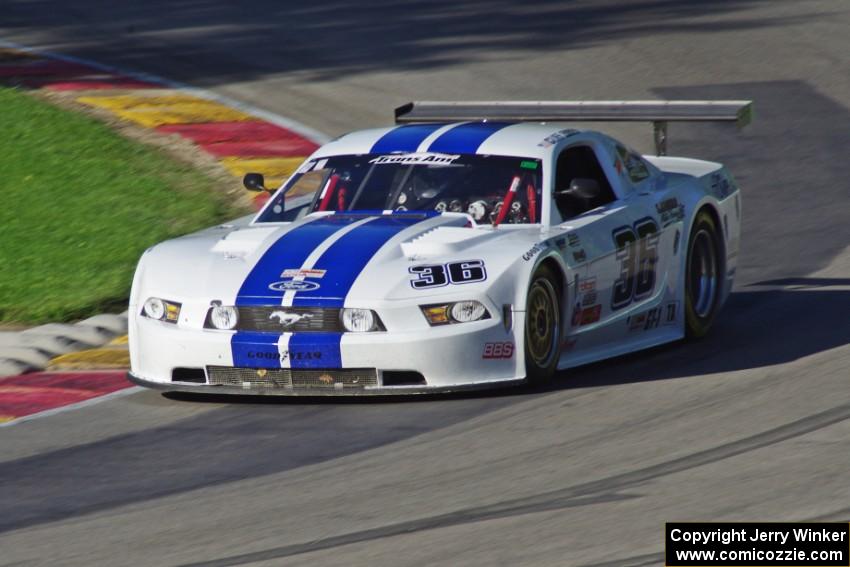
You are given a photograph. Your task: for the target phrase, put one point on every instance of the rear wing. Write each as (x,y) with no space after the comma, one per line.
(658,112)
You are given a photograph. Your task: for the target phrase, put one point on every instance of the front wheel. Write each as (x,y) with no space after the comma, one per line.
(703,278)
(542,327)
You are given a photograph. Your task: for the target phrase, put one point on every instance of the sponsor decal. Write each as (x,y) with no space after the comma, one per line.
(653,318)
(293,285)
(636,322)
(587,284)
(580,255)
(498,350)
(568,344)
(561,243)
(295,355)
(266,355)
(288,319)
(438,275)
(537,248)
(284,355)
(553,139)
(301,273)
(590,315)
(573,239)
(586,315)
(670,210)
(415,158)
(586,292)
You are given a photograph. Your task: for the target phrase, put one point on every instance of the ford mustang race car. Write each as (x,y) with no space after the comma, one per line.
(471,245)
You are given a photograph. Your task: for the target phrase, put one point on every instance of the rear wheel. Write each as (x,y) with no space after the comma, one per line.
(702,276)
(542,326)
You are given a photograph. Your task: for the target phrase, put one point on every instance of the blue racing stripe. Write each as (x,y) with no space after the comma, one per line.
(347,257)
(315,350)
(466,138)
(259,350)
(343,261)
(255,350)
(289,252)
(404,138)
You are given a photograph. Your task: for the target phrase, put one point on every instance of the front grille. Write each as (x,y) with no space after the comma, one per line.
(292,378)
(277,319)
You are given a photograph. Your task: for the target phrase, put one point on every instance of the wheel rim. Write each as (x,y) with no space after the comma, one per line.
(702,274)
(543,325)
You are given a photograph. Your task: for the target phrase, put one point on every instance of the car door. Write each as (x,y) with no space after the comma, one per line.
(619,243)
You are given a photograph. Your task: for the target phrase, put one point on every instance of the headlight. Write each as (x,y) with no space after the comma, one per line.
(459,312)
(162,310)
(224,317)
(360,320)
(466,311)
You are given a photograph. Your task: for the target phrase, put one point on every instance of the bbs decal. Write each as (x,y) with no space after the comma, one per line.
(637,253)
(438,275)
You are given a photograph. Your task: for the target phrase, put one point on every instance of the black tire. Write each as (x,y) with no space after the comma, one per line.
(542,326)
(703,276)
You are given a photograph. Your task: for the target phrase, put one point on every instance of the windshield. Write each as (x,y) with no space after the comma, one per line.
(491,189)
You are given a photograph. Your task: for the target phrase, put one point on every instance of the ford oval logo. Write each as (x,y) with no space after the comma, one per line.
(292,285)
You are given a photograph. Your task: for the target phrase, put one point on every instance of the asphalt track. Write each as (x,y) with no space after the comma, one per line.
(751,423)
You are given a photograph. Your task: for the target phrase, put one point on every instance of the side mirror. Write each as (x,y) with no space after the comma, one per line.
(584,188)
(254,182)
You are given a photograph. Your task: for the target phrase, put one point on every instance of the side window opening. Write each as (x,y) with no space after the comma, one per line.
(572,197)
(634,164)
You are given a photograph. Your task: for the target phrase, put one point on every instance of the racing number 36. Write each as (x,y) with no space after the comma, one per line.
(637,253)
(438,275)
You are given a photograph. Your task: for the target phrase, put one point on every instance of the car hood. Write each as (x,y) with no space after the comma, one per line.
(320,260)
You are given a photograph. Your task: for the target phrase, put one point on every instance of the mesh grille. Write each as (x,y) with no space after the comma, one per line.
(277,319)
(335,379)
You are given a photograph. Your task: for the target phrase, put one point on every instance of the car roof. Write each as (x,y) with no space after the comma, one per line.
(521,139)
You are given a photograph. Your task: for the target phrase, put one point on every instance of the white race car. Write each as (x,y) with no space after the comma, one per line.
(475,244)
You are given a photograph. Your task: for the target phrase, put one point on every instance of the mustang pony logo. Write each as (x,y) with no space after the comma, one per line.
(289,319)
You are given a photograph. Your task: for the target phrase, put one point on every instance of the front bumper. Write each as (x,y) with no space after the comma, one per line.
(449,358)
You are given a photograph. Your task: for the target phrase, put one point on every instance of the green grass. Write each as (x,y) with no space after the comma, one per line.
(79,206)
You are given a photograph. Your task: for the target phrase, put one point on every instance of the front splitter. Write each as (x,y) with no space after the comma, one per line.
(317,392)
